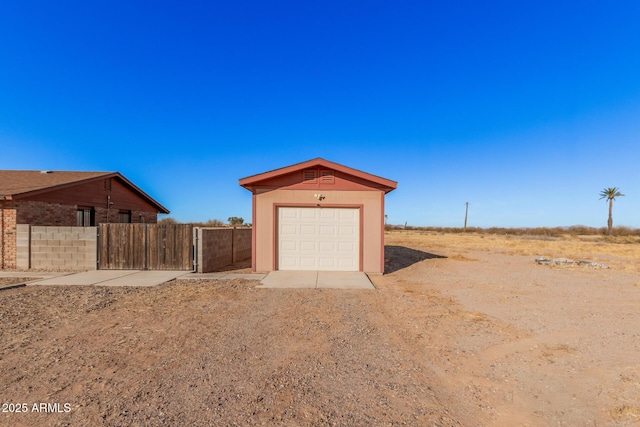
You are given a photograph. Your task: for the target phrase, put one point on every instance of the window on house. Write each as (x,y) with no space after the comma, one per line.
(85,217)
(124,217)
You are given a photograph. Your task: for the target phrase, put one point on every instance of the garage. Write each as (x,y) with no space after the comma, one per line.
(318,239)
(317,215)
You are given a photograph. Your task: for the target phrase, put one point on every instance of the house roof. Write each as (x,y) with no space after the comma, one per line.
(252,181)
(17,184)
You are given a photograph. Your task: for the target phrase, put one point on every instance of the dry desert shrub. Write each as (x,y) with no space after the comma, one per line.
(625,412)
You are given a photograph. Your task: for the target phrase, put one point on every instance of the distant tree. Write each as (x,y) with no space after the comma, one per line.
(167,221)
(234,220)
(610,194)
(214,223)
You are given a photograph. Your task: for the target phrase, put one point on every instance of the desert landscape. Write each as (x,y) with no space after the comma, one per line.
(463,329)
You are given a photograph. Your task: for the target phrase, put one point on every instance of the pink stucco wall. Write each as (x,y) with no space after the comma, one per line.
(370,203)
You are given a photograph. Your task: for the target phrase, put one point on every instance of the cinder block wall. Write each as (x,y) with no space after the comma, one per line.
(214,248)
(23,246)
(61,248)
(219,247)
(241,244)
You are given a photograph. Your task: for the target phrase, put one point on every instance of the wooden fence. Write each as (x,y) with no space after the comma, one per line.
(145,247)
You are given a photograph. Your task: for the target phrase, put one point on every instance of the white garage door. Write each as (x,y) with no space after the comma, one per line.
(318,239)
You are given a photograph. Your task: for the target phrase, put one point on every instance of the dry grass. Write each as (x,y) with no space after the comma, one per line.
(620,252)
(625,412)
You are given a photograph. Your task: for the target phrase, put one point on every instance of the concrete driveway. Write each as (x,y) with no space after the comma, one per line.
(274,279)
(113,278)
(317,279)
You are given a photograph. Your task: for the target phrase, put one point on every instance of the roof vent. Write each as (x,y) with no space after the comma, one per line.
(46,171)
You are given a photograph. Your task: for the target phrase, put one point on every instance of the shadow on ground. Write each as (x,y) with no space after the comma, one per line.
(238,267)
(399,257)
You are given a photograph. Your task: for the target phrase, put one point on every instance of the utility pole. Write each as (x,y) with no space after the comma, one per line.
(466,213)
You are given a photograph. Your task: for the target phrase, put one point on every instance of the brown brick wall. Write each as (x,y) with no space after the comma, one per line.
(7,236)
(41,213)
(112,216)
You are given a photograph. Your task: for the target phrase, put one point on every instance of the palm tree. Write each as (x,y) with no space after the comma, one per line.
(610,194)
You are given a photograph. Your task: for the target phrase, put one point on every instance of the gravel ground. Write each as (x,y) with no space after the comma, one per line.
(209,353)
(469,339)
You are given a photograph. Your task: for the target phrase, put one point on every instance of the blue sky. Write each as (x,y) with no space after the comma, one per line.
(526,110)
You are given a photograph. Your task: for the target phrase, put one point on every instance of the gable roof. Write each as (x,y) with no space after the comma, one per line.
(252,181)
(16,184)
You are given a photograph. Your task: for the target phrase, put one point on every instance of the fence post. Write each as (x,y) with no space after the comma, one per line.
(98,246)
(196,251)
(146,246)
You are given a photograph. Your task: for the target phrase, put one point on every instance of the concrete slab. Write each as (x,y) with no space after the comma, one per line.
(144,278)
(83,278)
(222,276)
(290,279)
(113,278)
(317,280)
(344,280)
(32,274)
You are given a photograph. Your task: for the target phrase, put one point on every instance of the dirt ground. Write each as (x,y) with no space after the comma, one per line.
(459,332)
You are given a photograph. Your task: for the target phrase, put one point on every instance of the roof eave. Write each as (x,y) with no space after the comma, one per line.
(161,209)
(250,181)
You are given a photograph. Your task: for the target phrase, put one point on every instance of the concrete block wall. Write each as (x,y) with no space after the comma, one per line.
(23,246)
(75,248)
(241,244)
(60,248)
(214,248)
(220,247)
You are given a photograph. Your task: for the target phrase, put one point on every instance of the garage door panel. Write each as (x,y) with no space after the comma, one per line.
(327,230)
(347,231)
(347,214)
(308,246)
(327,246)
(288,263)
(308,230)
(318,238)
(288,245)
(308,263)
(326,263)
(288,230)
(288,213)
(346,247)
(346,265)
(328,213)
(308,214)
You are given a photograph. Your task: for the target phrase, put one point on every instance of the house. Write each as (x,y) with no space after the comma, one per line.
(318,215)
(57,198)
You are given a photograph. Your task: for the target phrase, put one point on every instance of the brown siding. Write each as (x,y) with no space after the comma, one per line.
(95,194)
